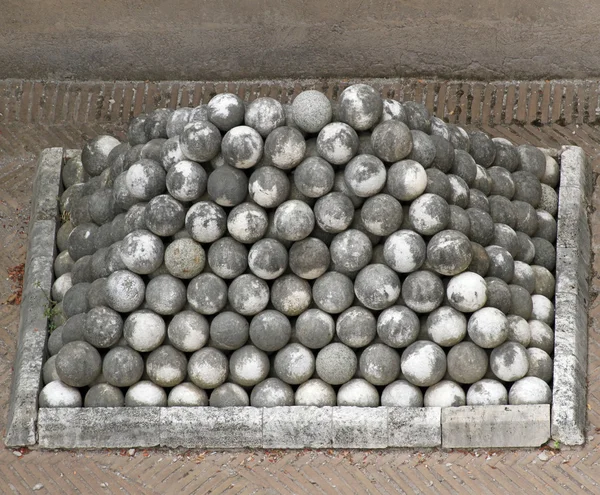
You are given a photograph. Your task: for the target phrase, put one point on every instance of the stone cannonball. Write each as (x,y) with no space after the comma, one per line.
(529,390)
(507,155)
(103,327)
(350,250)
(406,180)
(272,393)
(378,287)
(145,179)
(291,295)
(78,364)
(311,111)
(540,364)
(444,394)
(284,148)
(229,395)
(509,361)
(309,258)
(391,141)
(467,362)
(166,366)
(520,301)
(480,263)
(268,259)
(144,330)
(337,143)
(449,252)
(125,291)
(404,251)
(295,364)
(483,149)
(207,293)
(417,116)
(459,220)
(242,147)
(526,248)
(142,252)
(482,226)
(187,395)
(360,106)
(122,366)
(422,291)
(503,183)
(171,153)
(356,327)
(206,221)
(446,326)
(336,363)
(365,175)
(225,111)
(444,154)
(269,187)
(165,295)
(401,394)
(498,294)
(423,149)
(227,186)
(200,141)
(177,121)
(393,110)
(488,327)
(270,330)
(248,295)
(487,392)
(379,364)
(381,215)
(247,223)
(502,264)
(423,363)
(398,326)
(544,281)
(227,258)
(229,331)
(527,188)
(164,215)
(184,258)
(315,392)
(294,220)
(265,115)
(531,160)
(104,395)
(94,155)
(314,177)
(358,393)
(429,214)
(518,330)
(542,309)
(545,253)
(80,242)
(314,328)
(549,200)
(59,394)
(188,331)
(145,394)
(483,181)
(208,368)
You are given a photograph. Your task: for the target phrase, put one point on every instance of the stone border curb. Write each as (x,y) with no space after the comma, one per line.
(37,284)
(573,259)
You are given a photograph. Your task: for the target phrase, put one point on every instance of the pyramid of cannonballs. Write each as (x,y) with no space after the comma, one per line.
(356,253)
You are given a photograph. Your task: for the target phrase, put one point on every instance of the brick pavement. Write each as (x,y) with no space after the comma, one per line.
(35,115)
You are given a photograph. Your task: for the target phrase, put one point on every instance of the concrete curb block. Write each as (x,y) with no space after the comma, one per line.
(573,258)
(37,284)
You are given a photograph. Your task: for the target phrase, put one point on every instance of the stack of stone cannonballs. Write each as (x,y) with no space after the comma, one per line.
(358,253)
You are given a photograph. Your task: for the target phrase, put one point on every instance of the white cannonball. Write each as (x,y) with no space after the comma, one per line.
(423,363)
(315,392)
(518,330)
(446,326)
(509,361)
(467,292)
(406,180)
(248,366)
(358,392)
(144,330)
(404,251)
(294,364)
(60,287)
(187,395)
(444,394)
(208,368)
(487,392)
(488,327)
(401,394)
(529,390)
(542,336)
(59,394)
(145,394)
(543,309)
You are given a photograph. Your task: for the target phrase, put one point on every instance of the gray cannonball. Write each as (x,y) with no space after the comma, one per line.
(378,287)
(520,301)
(381,214)
(177,121)
(291,295)
(247,223)
(248,295)
(122,366)
(155,125)
(186,180)
(545,253)
(73,329)
(391,141)
(529,390)
(398,326)
(501,263)
(542,309)
(336,363)
(483,149)
(75,300)
(206,221)
(62,236)
(404,251)
(401,394)
(337,143)
(540,364)
(314,177)
(200,141)
(171,153)
(165,295)
(248,366)
(524,276)
(483,180)
(509,361)
(103,327)
(340,185)
(406,180)
(295,220)
(114,261)
(488,327)
(449,252)
(55,341)
(482,226)
(207,368)
(104,236)
(225,111)
(104,395)
(333,292)
(60,286)
(358,393)
(78,364)
(153,150)
(350,251)
(187,395)
(459,191)
(311,111)
(459,220)
(269,186)
(459,138)
(121,195)
(142,252)
(229,331)
(49,373)
(207,294)
(487,392)
(242,147)
(393,110)
(102,207)
(270,330)
(315,392)
(379,364)
(81,241)
(188,331)
(360,106)
(333,212)
(444,154)
(440,128)
(503,183)
(444,394)
(184,258)
(519,330)
(506,237)
(284,148)
(549,200)
(199,113)
(498,294)
(422,291)
(365,175)
(423,149)
(272,393)
(59,394)
(144,330)
(135,218)
(356,327)
(227,258)
(446,326)
(309,258)
(551,175)
(423,363)
(464,166)
(429,214)
(294,364)
(480,263)
(502,210)
(164,215)
(268,259)
(546,226)
(437,183)
(418,116)
(145,179)
(526,219)
(229,395)
(166,366)
(125,291)
(358,224)
(507,155)
(227,186)
(531,160)
(526,251)
(94,155)
(527,188)
(467,362)
(544,281)
(74,173)
(145,394)
(314,328)
(265,115)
